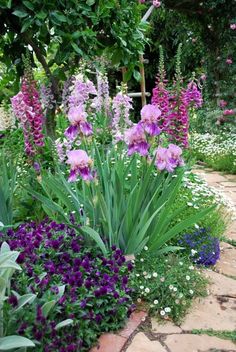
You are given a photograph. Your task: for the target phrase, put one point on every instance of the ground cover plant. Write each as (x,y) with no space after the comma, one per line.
(93,290)
(167,284)
(216,150)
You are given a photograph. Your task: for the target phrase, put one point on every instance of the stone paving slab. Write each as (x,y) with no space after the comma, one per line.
(165,328)
(115,342)
(198,343)
(231,231)
(221,285)
(109,343)
(227,263)
(211,313)
(228,184)
(141,343)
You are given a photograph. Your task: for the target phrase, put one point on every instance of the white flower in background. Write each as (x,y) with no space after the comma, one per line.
(193,252)
(139,300)
(147,290)
(162,312)
(142,260)
(145,248)
(7,119)
(175,289)
(156,301)
(141,287)
(171,287)
(191,267)
(187,277)
(154,274)
(191,292)
(144,273)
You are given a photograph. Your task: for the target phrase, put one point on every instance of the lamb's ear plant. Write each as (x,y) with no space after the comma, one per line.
(8,266)
(127,205)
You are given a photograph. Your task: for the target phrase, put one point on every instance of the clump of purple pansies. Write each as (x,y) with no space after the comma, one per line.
(204,249)
(97,294)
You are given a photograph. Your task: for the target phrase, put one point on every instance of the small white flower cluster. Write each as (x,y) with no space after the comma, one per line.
(7,119)
(202,193)
(215,147)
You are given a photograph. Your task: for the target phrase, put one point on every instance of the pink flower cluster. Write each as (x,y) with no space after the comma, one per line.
(27,108)
(161,98)
(233,26)
(121,105)
(155,3)
(169,158)
(228,112)
(229,61)
(223,103)
(174,106)
(102,100)
(193,96)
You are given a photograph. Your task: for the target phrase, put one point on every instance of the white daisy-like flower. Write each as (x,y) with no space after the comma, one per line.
(156,301)
(147,290)
(175,289)
(141,287)
(167,309)
(191,292)
(154,274)
(145,248)
(187,277)
(171,287)
(139,300)
(162,312)
(142,260)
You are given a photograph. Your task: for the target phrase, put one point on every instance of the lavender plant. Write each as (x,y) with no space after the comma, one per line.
(202,247)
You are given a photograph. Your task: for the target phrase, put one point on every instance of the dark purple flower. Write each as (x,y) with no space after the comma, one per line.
(12,300)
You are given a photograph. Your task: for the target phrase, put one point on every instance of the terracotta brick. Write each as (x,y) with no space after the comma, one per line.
(109,343)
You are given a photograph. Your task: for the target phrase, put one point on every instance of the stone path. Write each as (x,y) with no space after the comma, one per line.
(216,312)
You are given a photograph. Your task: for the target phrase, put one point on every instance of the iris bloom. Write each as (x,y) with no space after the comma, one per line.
(136,140)
(80,165)
(169,158)
(78,120)
(149,119)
